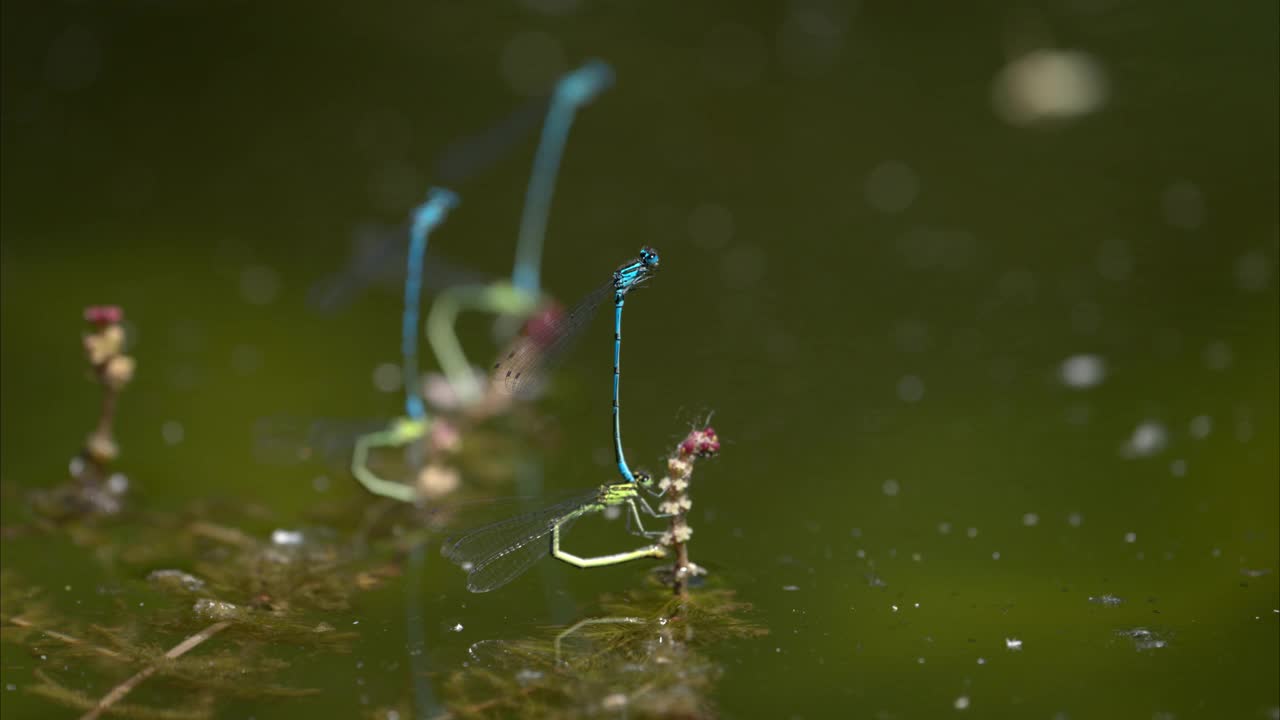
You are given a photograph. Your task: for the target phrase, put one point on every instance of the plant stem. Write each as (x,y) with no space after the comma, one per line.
(699,443)
(118,692)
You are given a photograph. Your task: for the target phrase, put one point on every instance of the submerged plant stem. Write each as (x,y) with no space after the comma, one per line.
(68,639)
(118,692)
(699,443)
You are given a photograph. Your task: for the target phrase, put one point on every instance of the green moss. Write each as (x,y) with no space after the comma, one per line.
(645,656)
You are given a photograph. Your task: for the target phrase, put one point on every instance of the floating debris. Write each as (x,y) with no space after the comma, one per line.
(1107,600)
(1144,639)
(176,580)
(217,610)
(286,537)
(1013,644)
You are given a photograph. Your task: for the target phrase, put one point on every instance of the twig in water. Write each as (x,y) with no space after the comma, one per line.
(68,639)
(118,692)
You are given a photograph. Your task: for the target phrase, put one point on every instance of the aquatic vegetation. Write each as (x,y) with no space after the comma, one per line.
(648,654)
(256,594)
(95,488)
(700,443)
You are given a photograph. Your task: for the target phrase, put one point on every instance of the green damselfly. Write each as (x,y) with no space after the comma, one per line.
(496,554)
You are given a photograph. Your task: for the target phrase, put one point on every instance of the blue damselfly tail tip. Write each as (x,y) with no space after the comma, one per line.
(431,213)
(582,85)
(649,256)
(442,197)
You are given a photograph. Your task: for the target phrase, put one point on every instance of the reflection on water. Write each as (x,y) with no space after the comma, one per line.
(652,663)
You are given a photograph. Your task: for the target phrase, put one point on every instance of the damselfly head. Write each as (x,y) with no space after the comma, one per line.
(649,257)
(643,479)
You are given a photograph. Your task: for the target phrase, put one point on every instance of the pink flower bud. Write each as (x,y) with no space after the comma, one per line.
(102,315)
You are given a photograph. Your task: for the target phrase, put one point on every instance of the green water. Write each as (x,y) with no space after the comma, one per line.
(915,503)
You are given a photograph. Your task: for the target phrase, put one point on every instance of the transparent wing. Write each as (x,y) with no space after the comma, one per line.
(469,156)
(496,554)
(522,370)
(286,440)
(378,258)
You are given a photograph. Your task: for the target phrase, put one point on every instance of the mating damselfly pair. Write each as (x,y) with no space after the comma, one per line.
(498,553)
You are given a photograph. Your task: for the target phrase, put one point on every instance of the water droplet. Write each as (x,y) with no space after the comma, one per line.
(890,487)
(891,187)
(1183,205)
(387,377)
(910,388)
(1114,260)
(1217,355)
(1082,371)
(246,359)
(1148,438)
(1253,272)
(811,36)
(1030,519)
(1201,425)
(961,702)
(259,285)
(1013,644)
(1049,85)
(172,432)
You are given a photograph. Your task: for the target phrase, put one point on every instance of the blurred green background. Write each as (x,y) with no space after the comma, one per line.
(983,296)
